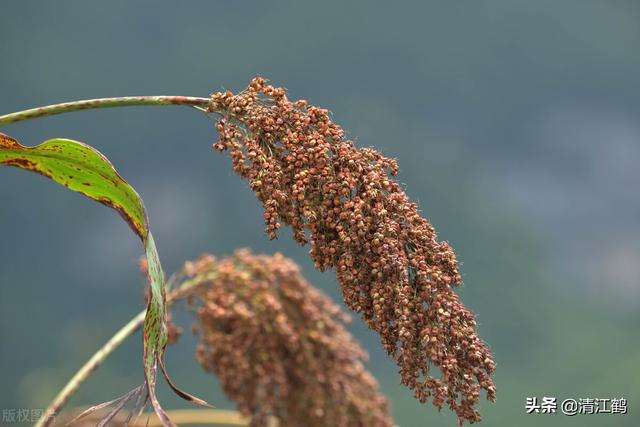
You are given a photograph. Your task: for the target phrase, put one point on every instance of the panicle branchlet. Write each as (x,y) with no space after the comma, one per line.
(280,348)
(345,202)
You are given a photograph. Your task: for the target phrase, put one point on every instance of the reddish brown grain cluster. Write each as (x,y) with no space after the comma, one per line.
(390,265)
(279,347)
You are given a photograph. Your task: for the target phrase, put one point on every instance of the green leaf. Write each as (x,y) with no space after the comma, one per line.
(156,335)
(80,168)
(85,170)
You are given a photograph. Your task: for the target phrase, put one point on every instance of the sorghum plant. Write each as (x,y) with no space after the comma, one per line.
(344,201)
(269,337)
(280,347)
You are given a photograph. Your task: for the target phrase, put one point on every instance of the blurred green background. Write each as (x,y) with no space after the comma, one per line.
(515,123)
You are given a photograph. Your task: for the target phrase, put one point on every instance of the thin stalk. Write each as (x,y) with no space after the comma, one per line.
(105,351)
(198,417)
(92,104)
(207,417)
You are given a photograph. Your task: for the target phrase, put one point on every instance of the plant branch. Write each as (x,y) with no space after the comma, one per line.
(92,104)
(56,405)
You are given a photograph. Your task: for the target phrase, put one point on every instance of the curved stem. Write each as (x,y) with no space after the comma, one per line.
(88,368)
(92,104)
(105,351)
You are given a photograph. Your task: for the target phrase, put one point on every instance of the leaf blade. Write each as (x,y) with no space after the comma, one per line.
(83,169)
(80,168)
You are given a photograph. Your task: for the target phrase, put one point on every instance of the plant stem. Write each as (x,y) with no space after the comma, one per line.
(92,104)
(105,351)
(88,368)
(199,416)
(206,417)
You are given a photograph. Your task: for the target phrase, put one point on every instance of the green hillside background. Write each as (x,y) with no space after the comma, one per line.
(516,125)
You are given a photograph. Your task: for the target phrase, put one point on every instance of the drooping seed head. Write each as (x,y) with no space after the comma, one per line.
(280,348)
(346,203)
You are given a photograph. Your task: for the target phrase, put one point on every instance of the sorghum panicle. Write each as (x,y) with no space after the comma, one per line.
(345,202)
(279,347)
